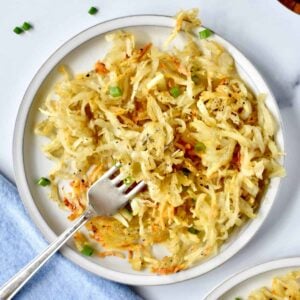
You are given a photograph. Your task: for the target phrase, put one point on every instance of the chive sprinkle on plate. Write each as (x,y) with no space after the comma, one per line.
(193,230)
(200,147)
(204,34)
(175,91)
(115,91)
(43,181)
(87,250)
(93,10)
(26,26)
(18,30)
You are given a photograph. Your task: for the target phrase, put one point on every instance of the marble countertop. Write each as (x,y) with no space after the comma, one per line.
(266,32)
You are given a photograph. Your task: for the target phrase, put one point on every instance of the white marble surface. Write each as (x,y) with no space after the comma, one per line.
(266,32)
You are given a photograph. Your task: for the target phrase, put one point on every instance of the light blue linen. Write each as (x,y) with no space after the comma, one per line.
(20,241)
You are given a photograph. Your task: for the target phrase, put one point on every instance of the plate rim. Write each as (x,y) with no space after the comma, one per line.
(21,179)
(248,273)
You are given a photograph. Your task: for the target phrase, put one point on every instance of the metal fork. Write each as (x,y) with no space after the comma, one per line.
(104,198)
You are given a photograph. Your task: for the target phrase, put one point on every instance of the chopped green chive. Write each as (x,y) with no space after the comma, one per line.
(26,26)
(43,181)
(115,91)
(93,10)
(205,33)
(87,250)
(128,180)
(238,298)
(200,147)
(193,230)
(18,30)
(175,91)
(186,171)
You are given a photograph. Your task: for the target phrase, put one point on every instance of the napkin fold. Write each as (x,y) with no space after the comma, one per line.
(20,242)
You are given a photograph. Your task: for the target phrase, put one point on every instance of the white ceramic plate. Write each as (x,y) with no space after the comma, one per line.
(80,54)
(243,283)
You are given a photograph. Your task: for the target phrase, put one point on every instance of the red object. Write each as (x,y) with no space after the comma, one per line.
(293,5)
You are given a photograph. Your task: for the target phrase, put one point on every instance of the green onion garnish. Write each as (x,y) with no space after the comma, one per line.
(87,250)
(128,180)
(93,10)
(43,181)
(18,30)
(175,91)
(193,230)
(200,147)
(205,33)
(238,298)
(26,26)
(115,91)
(186,171)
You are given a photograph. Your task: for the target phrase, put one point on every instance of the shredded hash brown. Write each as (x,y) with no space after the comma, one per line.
(283,287)
(183,121)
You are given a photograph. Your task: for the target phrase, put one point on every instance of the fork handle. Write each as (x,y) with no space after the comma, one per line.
(13,285)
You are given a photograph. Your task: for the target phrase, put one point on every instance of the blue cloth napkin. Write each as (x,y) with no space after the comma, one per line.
(20,241)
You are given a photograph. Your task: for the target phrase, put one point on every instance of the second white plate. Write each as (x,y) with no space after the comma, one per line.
(242,284)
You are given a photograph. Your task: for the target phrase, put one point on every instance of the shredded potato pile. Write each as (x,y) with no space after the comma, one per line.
(283,287)
(183,121)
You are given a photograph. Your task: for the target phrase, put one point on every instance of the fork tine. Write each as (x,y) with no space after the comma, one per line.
(108,173)
(117,179)
(135,190)
(123,188)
